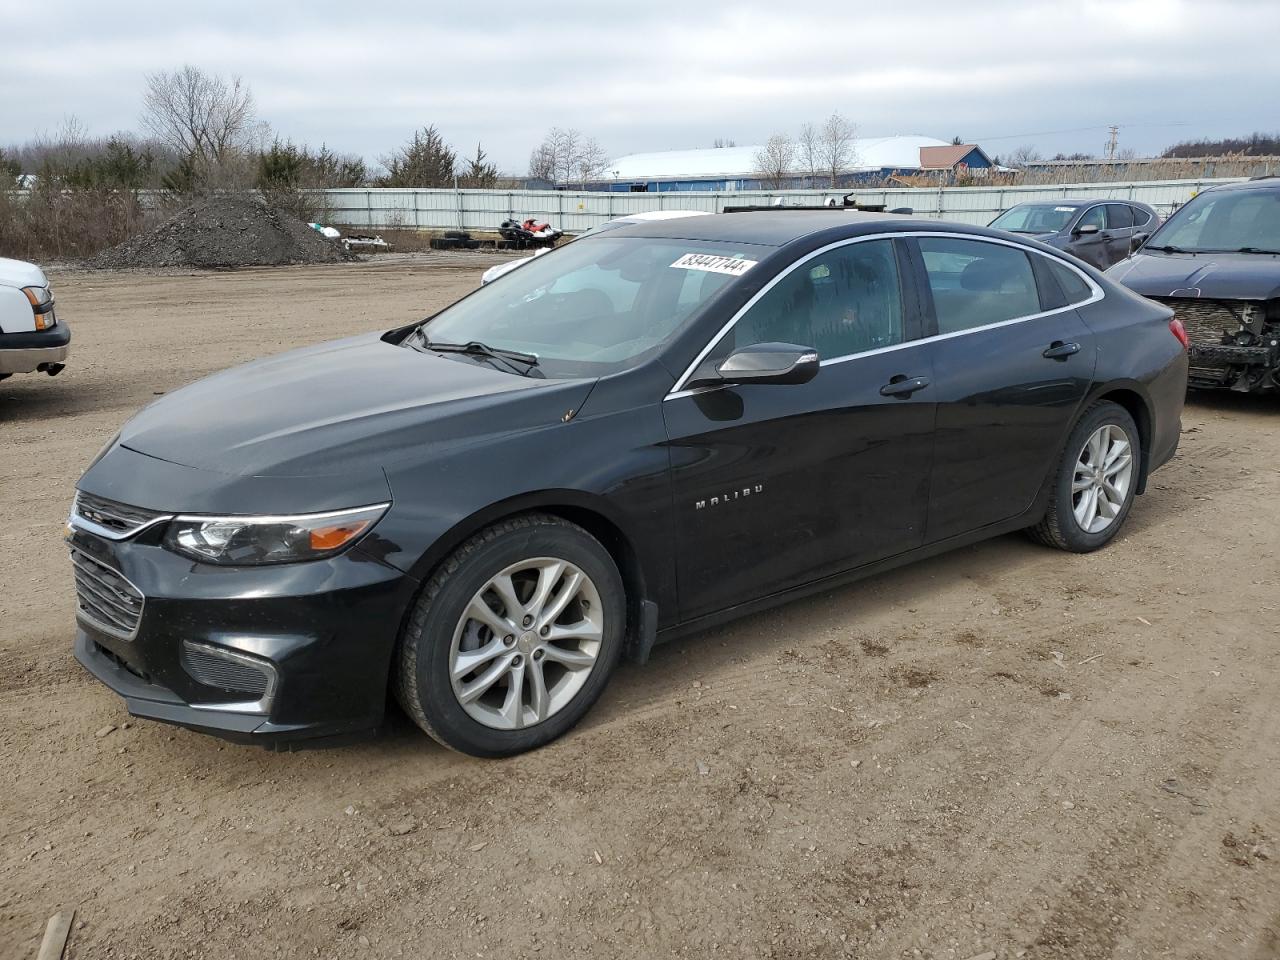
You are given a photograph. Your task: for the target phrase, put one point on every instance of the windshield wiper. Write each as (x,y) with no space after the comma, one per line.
(1168,248)
(474,348)
(1253,250)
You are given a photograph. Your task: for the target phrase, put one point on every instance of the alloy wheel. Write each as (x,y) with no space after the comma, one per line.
(1103,474)
(526,643)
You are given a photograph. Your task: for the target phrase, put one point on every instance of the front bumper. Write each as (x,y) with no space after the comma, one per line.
(28,352)
(326,630)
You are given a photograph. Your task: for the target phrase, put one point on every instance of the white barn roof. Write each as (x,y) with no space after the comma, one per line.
(872,153)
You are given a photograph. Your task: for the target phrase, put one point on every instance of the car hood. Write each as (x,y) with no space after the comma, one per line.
(1216,276)
(352,406)
(19,273)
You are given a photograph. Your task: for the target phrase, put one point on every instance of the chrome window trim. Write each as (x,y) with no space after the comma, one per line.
(1096,294)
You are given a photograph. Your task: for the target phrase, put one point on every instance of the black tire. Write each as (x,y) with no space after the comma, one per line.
(1059,526)
(422,682)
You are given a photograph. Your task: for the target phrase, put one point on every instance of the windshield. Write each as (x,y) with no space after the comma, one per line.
(1035,218)
(596,305)
(1223,221)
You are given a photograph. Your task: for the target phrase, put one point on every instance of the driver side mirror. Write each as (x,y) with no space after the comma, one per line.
(1085,228)
(760,363)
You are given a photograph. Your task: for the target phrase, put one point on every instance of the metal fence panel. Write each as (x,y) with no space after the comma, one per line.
(575,211)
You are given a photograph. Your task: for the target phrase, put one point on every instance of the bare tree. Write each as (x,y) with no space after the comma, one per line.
(199,115)
(542,164)
(809,150)
(1024,155)
(591,161)
(720,143)
(556,158)
(773,161)
(837,142)
(566,156)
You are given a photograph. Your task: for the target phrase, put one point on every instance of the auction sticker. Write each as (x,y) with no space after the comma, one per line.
(733,266)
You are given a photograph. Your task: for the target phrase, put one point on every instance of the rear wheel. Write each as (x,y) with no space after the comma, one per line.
(1095,481)
(513,638)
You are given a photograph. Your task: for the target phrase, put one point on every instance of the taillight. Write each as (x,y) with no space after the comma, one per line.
(1179,331)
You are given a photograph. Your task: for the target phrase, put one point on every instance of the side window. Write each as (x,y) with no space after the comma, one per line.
(975,283)
(1119,216)
(847,300)
(1140,217)
(1094,216)
(1073,285)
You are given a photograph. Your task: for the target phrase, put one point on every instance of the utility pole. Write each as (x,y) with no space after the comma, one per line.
(1112,141)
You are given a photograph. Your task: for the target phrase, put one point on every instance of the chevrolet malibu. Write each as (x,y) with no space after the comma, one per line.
(636,436)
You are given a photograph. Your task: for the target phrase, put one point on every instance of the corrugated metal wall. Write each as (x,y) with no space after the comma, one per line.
(574,212)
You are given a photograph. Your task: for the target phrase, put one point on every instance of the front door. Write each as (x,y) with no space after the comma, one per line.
(1009,377)
(778,485)
(1092,247)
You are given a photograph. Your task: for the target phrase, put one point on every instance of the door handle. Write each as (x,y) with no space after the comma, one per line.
(903,386)
(1060,350)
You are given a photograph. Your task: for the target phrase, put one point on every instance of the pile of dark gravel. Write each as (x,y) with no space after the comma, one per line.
(221,232)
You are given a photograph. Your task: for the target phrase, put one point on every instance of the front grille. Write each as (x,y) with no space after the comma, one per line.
(226,670)
(116,520)
(104,598)
(1206,321)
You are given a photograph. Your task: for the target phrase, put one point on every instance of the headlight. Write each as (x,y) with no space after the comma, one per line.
(254,540)
(41,299)
(38,296)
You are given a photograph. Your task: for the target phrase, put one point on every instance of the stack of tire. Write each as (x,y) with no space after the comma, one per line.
(454,240)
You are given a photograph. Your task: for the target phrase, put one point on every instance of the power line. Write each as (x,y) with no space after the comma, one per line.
(1101,126)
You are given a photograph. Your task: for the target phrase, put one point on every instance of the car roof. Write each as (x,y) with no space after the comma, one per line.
(776,228)
(1075,202)
(1271,182)
(658,215)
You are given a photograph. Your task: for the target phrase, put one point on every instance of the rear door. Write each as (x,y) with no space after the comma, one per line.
(1144,222)
(777,485)
(1119,231)
(1011,367)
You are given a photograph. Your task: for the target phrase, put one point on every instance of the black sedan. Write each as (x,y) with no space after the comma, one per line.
(1216,263)
(1099,232)
(635,436)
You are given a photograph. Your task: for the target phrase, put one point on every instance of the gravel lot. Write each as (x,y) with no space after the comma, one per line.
(1007,751)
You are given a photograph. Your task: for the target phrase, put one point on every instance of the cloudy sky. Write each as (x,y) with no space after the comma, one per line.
(659,74)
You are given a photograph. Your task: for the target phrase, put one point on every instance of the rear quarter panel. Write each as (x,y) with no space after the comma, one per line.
(1138,352)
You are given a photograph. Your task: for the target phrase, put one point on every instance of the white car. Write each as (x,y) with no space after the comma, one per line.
(493,273)
(31,336)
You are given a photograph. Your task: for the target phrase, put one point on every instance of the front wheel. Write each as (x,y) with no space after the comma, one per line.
(1095,481)
(513,638)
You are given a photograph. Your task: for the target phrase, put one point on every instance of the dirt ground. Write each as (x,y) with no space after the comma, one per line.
(1007,751)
